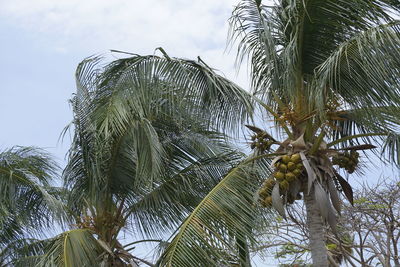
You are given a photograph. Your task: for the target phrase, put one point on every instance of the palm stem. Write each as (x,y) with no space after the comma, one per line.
(337,141)
(141,241)
(275,115)
(318,142)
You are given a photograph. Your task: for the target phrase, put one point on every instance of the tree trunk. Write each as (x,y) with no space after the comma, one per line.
(316,230)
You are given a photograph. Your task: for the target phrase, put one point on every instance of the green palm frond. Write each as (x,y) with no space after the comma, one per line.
(29,202)
(220,226)
(24,166)
(166,206)
(374,125)
(119,108)
(364,69)
(22,252)
(287,43)
(26,178)
(72,248)
(255,27)
(391,147)
(327,24)
(171,79)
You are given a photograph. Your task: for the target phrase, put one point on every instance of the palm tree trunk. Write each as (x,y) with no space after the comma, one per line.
(316,231)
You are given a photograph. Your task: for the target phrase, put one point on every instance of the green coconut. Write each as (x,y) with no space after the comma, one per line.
(279,175)
(291,166)
(295,158)
(284,185)
(290,176)
(283,167)
(286,159)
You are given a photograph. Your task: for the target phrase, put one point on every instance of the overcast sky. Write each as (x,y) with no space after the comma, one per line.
(42,42)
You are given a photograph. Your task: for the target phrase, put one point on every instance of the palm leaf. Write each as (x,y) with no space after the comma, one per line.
(73,248)
(364,69)
(26,177)
(377,124)
(224,218)
(118,110)
(166,206)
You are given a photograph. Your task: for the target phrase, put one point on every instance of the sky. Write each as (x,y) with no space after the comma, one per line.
(43,41)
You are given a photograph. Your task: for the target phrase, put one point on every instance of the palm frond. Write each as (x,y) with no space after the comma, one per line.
(166,206)
(118,110)
(288,42)
(256,29)
(171,79)
(72,248)
(375,125)
(364,70)
(223,219)
(391,147)
(22,252)
(326,24)
(26,178)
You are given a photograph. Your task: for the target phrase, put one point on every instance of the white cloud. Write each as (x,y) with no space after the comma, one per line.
(183,28)
(172,21)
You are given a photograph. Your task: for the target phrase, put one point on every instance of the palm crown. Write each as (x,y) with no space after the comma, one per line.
(327,73)
(142,157)
(29,202)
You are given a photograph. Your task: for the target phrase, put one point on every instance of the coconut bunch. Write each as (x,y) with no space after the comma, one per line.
(265,192)
(287,170)
(347,160)
(304,168)
(261,141)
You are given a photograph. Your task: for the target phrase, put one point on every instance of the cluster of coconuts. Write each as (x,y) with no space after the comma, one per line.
(261,141)
(287,169)
(265,192)
(346,160)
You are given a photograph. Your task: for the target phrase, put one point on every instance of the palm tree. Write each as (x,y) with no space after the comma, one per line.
(29,202)
(326,73)
(141,159)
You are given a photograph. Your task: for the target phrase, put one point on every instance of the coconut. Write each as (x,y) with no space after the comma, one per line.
(269,183)
(279,175)
(297,172)
(283,167)
(299,166)
(286,159)
(291,166)
(295,158)
(290,176)
(268,201)
(263,193)
(284,185)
